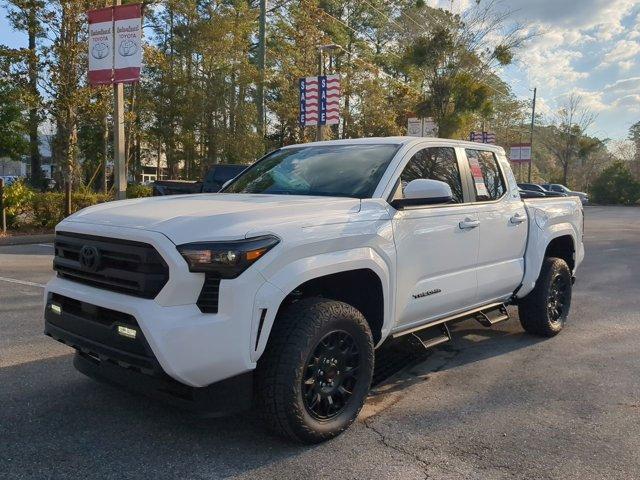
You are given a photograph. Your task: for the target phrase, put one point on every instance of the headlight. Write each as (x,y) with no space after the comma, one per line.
(226,259)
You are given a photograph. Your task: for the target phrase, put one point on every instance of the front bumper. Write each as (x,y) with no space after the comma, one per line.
(191,347)
(227,396)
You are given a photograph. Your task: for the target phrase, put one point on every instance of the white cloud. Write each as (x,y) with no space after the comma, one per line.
(552,68)
(629,102)
(604,16)
(624,85)
(590,99)
(626,65)
(622,51)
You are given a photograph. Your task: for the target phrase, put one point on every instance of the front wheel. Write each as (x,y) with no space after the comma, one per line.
(315,374)
(544,310)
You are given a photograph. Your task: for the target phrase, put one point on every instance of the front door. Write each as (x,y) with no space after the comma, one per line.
(437,245)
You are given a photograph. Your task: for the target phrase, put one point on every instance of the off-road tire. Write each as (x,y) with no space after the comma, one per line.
(297,333)
(536,312)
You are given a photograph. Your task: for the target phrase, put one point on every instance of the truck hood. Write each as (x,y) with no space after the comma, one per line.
(201,217)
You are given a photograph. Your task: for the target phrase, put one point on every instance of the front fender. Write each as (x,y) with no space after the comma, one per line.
(282,282)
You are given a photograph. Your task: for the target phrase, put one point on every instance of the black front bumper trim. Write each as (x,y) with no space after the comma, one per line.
(219,399)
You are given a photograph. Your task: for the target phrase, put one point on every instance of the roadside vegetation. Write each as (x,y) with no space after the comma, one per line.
(30,210)
(204,98)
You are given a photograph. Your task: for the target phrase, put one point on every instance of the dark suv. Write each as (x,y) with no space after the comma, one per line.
(532,187)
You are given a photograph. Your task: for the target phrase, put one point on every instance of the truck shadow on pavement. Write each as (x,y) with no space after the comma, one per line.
(57,423)
(470,344)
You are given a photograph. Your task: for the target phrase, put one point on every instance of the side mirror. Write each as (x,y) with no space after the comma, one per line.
(423,192)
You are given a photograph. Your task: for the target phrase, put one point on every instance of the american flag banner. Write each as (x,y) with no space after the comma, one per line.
(320,100)
(332,101)
(483,137)
(309,100)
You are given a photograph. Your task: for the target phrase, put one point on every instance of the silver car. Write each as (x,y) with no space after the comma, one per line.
(556,187)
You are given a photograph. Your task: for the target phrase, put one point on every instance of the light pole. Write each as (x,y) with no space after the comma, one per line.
(533,121)
(321,49)
(119,154)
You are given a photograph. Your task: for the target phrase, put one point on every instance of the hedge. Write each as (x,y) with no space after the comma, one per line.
(27,208)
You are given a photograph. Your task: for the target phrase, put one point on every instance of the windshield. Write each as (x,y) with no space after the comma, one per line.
(331,170)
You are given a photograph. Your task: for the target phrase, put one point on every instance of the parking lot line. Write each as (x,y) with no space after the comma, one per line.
(21,282)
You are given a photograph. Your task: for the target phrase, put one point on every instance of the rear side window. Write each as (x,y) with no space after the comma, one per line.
(436,163)
(486,175)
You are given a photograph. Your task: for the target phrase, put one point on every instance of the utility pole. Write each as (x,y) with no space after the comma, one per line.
(105,150)
(533,121)
(320,128)
(321,49)
(119,160)
(262,60)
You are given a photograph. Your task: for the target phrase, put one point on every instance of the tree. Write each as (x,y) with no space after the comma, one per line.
(66,60)
(27,16)
(454,56)
(13,121)
(634,137)
(616,185)
(568,142)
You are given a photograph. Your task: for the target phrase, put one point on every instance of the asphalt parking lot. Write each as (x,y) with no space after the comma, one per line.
(493,403)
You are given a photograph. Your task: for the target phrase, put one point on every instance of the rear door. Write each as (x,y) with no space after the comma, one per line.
(503,224)
(436,245)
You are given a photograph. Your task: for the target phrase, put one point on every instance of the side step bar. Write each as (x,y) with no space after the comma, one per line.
(430,337)
(487,315)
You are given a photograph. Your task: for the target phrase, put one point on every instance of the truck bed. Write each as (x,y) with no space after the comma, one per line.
(548,218)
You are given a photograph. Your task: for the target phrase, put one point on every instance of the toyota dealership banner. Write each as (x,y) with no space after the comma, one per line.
(115,44)
(101,46)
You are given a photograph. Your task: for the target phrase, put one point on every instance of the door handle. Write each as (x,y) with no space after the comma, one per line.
(518,219)
(468,224)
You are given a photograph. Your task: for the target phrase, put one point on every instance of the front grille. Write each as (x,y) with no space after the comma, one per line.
(208,299)
(124,266)
(93,330)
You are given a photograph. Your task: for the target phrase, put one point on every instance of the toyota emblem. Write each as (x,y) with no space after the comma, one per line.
(89,258)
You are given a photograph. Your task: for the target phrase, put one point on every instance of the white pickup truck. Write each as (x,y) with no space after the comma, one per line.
(277,291)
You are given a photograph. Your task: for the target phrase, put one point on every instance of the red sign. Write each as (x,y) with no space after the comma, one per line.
(128,43)
(115,44)
(520,152)
(100,46)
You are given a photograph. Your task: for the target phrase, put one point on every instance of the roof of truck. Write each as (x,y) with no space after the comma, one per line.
(401,141)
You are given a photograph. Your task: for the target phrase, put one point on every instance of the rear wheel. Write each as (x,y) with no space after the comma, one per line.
(315,374)
(544,311)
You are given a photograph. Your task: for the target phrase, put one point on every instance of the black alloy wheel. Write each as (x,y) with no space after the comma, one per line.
(331,375)
(545,309)
(314,376)
(557,300)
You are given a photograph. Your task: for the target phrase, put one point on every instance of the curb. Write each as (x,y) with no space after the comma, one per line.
(27,239)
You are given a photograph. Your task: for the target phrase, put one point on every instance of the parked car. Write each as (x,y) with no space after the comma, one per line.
(9,179)
(556,187)
(215,178)
(530,194)
(537,188)
(281,287)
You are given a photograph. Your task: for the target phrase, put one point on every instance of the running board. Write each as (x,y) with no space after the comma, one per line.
(453,318)
(430,337)
(491,316)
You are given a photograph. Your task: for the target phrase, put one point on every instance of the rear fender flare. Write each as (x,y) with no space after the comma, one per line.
(539,240)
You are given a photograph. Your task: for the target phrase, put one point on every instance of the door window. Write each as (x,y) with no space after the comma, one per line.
(486,175)
(435,163)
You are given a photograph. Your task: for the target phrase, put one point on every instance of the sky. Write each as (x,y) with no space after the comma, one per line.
(590,48)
